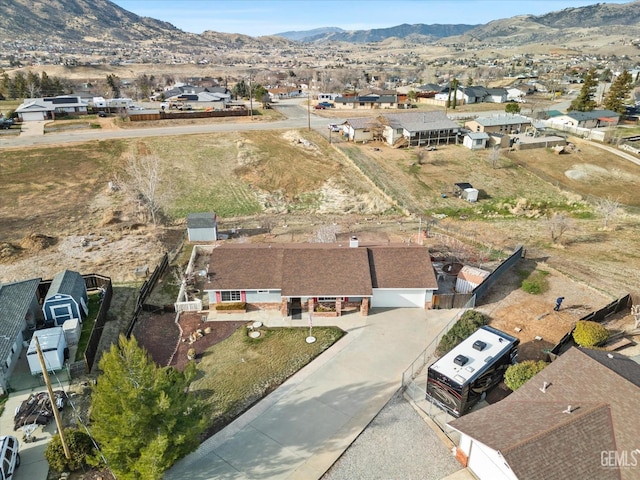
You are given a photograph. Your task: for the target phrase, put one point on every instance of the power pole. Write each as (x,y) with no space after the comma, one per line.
(52,400)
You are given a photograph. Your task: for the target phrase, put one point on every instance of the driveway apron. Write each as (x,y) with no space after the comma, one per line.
(301,429)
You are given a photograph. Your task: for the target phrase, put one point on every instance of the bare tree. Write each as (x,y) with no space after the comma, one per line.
(635,311)
(558,225)
(422,154)
(494,156)
(608,208)
(142,182)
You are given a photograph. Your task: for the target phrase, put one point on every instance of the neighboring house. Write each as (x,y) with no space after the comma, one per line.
(370,101)
(19,312)
(496,95)
(507,123)
(592,119)
(519,91)
(475,140)
(408,129)
(202,227)
(327,97)
(576,420)
(290,276)
(35,110)
(66,299)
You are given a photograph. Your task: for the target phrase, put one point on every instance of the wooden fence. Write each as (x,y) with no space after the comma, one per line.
(144,292)
(141,117)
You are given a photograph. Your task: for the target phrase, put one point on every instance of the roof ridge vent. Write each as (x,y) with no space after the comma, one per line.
(543,389)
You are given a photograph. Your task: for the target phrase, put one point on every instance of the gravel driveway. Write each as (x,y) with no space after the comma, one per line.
(397,445)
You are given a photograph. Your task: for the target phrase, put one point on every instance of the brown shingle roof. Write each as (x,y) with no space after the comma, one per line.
(326,272)
(401,267)
(319,269)
(539,441)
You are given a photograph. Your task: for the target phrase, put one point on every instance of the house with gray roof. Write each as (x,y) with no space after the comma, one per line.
(404,129)
(66,299)
(576,420)
(19,312)
(504,123)
(592,119)
(369,101)
(283,276)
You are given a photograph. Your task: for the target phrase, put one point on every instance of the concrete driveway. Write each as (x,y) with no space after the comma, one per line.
(302,428)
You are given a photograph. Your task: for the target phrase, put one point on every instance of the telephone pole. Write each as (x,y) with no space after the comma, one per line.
(52,400)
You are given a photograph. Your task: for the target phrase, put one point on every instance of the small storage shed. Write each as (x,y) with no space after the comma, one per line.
(469,278)
(475,140)
(53,346)
(202,227)
(66,299)
(470,194)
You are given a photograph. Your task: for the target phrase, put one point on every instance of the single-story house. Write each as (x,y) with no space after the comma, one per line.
(475,140)
(506,123)
(592,119)
(290,276)
(19,311)
(358,129)
(577,419)
(66,299)
(496,95)
(327,97)
(202,227)
(369,101)
(34,110)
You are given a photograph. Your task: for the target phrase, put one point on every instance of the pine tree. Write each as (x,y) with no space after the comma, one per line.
(584,102)
(619,93)
(142,416)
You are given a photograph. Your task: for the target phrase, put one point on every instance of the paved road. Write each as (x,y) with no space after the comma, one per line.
(297,117)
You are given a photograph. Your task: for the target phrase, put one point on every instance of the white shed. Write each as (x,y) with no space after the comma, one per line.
(475,140)
(53,346)
(470,194)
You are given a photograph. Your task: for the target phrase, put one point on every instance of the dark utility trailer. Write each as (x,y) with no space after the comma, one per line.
(462,377)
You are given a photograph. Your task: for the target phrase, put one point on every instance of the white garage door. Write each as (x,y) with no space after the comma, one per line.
(397,298)
(32,116)
(484,467)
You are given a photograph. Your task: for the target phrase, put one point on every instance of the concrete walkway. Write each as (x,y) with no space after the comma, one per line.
(302,428)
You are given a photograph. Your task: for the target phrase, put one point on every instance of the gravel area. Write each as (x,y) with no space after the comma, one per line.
(397,444)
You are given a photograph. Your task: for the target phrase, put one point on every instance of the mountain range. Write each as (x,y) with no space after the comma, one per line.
(90,21)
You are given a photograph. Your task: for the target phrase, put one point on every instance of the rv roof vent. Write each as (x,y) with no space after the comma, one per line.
(479,345)
(488,359)
(460,360)
(470,369)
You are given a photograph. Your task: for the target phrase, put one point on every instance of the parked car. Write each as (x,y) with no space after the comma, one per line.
(320,107)
(9,456)
(333,127)
(6,123)
(102,114)
(326,104)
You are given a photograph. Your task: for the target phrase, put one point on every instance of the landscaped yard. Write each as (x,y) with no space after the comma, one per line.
(234,370)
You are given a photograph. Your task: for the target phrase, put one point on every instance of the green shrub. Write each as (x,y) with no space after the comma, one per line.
(231,306)
(469,322)
(80,446)
(516,375)
(536,283)
(589,334)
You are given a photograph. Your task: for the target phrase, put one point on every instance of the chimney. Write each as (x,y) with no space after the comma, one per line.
(568,410)
(353,243)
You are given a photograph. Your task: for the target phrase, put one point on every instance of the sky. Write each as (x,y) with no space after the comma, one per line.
(267,17)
